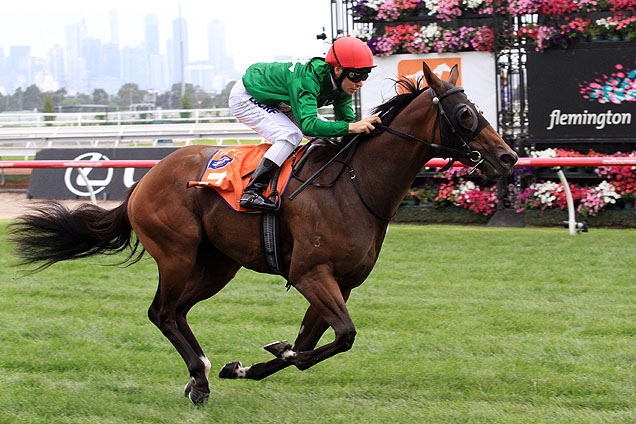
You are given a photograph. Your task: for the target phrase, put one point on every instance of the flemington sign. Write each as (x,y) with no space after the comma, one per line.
(582,93)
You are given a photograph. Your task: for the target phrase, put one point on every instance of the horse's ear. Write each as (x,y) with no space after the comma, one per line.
(432,80)
(454,75)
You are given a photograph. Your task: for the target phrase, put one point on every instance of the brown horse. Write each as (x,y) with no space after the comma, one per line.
(330,237)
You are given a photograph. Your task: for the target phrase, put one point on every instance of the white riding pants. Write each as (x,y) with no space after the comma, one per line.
(271,123)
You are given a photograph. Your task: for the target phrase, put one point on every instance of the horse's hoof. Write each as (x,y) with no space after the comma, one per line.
(197,397)
(282,350)
(230,369)
(188,388)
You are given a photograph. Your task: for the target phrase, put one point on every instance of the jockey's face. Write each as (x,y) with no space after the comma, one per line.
(347,85)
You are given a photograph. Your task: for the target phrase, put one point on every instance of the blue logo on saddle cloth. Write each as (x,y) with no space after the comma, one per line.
(220,163)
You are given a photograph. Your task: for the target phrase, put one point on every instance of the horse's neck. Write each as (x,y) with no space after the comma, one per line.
(390,163)
(388,167)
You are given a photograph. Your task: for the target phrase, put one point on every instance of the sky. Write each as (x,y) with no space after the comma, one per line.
(257,30)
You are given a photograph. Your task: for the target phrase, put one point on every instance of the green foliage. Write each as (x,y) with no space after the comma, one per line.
(186,104)
(455,325)
(129,94)
(49,107)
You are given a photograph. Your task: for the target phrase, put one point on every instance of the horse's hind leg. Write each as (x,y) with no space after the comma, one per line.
(209,274)
(212,272)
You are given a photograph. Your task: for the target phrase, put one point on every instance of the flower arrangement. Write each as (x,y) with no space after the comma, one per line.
(393,10)
(596,198)
(468,195)
(403,35)
(431,38)
(623,178)
(618,187)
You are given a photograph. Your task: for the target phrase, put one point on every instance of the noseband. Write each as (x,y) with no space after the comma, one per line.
(461,134)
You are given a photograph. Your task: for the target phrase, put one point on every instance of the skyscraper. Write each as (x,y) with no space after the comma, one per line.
(56,64)
(179,50)
(76,72)
(216,46)
(151,31)
(114,26)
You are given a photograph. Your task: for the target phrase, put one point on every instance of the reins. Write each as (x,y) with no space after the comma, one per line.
(467,152)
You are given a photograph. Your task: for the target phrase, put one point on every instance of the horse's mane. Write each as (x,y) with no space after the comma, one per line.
(388,110)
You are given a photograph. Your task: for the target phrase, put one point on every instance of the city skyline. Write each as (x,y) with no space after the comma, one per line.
(105,48)
(256,30)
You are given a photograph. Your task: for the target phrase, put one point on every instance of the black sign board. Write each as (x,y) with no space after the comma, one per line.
(107,183)
(582,93)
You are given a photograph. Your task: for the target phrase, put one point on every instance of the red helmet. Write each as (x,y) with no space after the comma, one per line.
(350,52)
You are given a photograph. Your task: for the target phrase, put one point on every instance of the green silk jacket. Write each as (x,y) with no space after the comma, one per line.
(305,87)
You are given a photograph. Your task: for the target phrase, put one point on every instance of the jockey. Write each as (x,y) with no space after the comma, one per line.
(280,102)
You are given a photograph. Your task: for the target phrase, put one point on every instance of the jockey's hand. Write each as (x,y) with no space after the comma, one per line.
(365,125)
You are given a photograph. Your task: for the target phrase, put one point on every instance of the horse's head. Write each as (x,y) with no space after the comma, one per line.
(463,127)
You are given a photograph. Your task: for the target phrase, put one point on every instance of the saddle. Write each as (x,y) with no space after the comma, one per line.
(228,170)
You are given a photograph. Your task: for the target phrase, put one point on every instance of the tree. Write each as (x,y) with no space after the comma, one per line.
(58,96)
(222,99)
(100,97)
(49,107)
(33,98)
(186,104)
(16,100)
(129,94)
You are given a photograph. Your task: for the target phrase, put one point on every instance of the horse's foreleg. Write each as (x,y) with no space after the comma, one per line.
(311,330)
(324,295)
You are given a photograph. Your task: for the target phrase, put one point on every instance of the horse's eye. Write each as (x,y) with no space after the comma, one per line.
(465,119)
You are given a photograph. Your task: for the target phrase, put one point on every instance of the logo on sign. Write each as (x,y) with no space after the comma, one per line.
(78,185)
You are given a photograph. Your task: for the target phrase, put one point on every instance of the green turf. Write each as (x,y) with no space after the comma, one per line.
(455,325)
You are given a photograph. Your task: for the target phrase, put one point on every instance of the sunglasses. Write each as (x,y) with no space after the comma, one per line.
(357,76)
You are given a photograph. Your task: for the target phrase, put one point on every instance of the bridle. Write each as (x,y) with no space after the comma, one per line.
(461,134)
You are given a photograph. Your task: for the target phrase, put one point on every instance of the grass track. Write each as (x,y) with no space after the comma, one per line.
(455,325)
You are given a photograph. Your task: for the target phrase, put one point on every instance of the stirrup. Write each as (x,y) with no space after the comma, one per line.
(258,201)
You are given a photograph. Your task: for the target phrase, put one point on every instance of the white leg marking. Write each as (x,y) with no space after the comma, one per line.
(287,355)
(241,372)
(302,328)
(207,364)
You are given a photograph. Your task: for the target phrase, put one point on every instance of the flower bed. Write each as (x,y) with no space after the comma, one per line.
(411,26)
(453,190)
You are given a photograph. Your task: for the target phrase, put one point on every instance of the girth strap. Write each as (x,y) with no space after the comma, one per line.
(270,224)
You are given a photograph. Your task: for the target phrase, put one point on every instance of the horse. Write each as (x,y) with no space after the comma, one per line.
(330,238)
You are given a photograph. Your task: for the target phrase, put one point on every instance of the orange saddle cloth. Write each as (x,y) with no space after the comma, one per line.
(225,169)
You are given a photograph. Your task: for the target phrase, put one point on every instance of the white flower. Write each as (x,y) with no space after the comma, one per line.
(548,153)
(374,4)
(608,23)
(472,4)
(544,192)
(431,5)
(431,31)
(607,192)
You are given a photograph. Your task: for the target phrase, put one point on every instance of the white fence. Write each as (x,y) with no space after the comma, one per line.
(157,116)
(25,141)
(36,119)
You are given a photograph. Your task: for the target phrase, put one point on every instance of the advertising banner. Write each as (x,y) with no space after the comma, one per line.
(107,183)
(582,93)
(476,75)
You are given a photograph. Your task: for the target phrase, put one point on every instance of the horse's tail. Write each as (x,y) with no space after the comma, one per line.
(51,233)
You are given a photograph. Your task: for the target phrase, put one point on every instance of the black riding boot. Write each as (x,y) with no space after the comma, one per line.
(253,194)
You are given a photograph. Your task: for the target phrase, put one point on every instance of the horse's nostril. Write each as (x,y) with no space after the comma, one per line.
(507,159)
